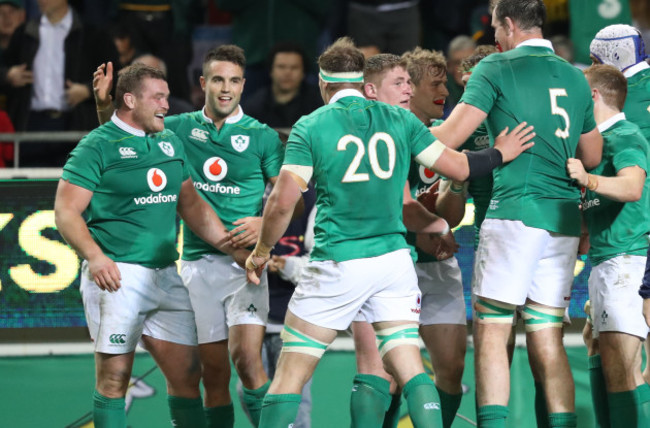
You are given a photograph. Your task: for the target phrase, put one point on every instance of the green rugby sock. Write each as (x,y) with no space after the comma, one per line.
(563,420)
(449,404)
(108,412)
(186,412)
(423,402)
(220,416)
(369,401)
(492,416)
(253,399)
(643,394)
(279,410)
(391,418)
(541,412)
(598,392)
(623,409)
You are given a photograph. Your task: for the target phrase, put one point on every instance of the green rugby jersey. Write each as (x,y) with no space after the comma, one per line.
(480,188)
(360,151)
(618,228)
(637,102)
(135,180)
(530,83)
(229,167)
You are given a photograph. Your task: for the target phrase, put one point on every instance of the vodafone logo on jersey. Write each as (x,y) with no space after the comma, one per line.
(215,168)
(427,176)
(156,179)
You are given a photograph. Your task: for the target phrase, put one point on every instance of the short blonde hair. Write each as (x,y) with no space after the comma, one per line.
(421,62)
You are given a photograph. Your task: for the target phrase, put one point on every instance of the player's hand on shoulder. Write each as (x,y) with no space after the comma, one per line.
(246,233)
(577,171)
(105,273)
(512,144)
(102,85)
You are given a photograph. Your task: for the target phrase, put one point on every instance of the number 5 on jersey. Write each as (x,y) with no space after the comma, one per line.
(555,109)
(351,174)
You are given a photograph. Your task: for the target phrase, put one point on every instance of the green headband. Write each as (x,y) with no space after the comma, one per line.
(350,76)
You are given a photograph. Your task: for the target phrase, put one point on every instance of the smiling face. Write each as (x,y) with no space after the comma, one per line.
(149,105)
(395,88)
(223,84)
(429,95)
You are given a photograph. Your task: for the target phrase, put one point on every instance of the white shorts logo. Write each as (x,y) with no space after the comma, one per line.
(239,142)
(156,179)
(215,168)
(427,176)
(167,148)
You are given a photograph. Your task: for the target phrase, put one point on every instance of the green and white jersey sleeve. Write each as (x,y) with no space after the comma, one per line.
(360,152)
(229,166)
(637,102)
(531,84)
(136,181)
(617,228)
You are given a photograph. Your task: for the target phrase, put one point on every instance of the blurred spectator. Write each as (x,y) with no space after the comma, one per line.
(12,14)
(6,148)
(384,26)
(259,24)
(126,44)
(563,47)
(165,29)
(460,48)
(640,10)
(176,105)
(288,97)
(49,65)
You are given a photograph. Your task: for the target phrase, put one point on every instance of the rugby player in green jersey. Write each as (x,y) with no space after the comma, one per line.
(615,207)
(622,46)
(386,79)
(130,178)
(529,240)
(231,157)
(358,152)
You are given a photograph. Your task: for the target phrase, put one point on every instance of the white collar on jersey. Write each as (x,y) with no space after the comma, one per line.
(538,43)
(635,69)
(345,93)
(232,119)
(604,126)
(126,127)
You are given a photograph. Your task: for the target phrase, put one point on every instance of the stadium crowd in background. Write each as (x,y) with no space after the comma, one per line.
(365,271)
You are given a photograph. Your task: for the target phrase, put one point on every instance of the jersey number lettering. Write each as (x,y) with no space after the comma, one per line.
(555,109)
(351,175)
(609,9)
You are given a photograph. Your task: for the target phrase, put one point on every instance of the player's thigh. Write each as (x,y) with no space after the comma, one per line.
(507,257)
(173,321)
(396,295)
(206,283)
(122,314)
(553,277)
(443,300)
(613,291)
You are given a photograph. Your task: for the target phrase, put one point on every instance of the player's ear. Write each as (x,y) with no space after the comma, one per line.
(202,82)
(510,26)
(129,100)
(370,91)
